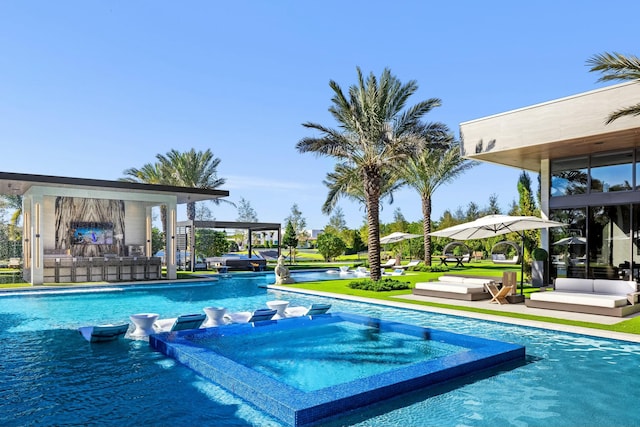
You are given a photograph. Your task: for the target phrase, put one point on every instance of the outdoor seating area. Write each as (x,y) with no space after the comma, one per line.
(596,296)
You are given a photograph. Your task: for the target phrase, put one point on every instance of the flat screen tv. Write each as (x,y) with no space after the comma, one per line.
(92,233)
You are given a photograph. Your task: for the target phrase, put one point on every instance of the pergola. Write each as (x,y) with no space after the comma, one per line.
(250,226)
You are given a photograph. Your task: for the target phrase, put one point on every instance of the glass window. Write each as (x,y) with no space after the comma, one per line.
(609,241)
(569,176)
(612,172)
(569,244)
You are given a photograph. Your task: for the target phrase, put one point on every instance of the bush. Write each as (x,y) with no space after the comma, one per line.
(433,268)
(382,285)
(539,254)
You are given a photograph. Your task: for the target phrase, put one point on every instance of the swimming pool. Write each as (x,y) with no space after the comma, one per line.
(50,376)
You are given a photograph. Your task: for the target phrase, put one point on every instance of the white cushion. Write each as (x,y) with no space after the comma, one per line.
(450,279)
(573,284)
(458,288)
(614,287)
(596,300)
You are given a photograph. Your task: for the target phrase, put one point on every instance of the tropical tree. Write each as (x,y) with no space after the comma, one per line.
(330,246)
(150,173)
(346,181)
(616,66)
(374,135)
(430,169)
(193,169)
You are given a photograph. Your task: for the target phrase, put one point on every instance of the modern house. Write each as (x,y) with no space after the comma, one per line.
(589,175)
(83,230)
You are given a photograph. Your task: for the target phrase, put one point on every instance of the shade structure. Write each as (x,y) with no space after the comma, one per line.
(496,225)
(397,237)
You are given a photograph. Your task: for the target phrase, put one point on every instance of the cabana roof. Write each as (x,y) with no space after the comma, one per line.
(19,183)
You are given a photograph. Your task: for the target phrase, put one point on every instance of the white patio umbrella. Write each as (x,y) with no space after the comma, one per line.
(495,225)
(398,236)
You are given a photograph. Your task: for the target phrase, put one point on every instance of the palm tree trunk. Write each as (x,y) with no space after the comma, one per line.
(426,228)
(372,191)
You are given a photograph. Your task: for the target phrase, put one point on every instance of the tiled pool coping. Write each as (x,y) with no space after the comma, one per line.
(298,408)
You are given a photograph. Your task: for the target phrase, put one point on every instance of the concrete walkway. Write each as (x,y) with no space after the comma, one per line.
(405,301)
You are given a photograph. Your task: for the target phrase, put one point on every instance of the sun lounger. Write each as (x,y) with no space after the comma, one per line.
(463,288)
(180,323)
(260,315)
(413,263)
(103,333)
(391,262)
(312,310)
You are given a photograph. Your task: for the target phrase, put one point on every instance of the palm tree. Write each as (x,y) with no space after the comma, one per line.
(429,170)
(616,66)
(194,169)
(150,173)
(374,135)
(345,181)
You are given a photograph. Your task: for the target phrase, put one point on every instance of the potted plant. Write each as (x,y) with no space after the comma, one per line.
(540,257)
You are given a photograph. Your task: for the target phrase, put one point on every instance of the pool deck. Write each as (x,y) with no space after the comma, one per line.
(405,301)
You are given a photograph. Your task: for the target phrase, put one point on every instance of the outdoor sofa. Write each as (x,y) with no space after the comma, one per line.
(455,287)
(595,296)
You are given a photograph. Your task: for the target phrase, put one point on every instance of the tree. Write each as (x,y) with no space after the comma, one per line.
(330,246)
(493,208)
(246,213)
(210,242)
(527,206)
(357,245)
(337,223)
(430,169)
(14,202)
(299,224)
(616,66)
(193,169)
(374,136)
(150,173)
(290,240)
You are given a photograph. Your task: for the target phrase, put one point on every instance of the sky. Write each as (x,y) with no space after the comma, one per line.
(90,89)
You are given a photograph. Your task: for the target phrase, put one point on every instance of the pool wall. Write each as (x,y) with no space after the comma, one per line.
(298,408)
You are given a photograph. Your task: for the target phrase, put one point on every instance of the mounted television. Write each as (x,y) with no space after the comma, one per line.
(92,233)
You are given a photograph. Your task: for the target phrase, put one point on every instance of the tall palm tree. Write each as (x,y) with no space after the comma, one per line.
(374,135)
(429,170)
(194,169)
(346,181)
(616,66)
(150,173)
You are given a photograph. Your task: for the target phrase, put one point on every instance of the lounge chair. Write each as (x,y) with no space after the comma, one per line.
(103,333)
(391,262)
(413,263)
(180,323)
(312,310)
(260,315)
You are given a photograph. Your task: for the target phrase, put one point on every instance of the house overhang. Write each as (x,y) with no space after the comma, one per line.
(565,127)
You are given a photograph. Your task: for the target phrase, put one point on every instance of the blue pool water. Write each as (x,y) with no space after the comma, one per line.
(50,376)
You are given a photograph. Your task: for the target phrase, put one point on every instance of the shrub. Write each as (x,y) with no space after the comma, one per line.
(382,285)
(540,254)
(433,268)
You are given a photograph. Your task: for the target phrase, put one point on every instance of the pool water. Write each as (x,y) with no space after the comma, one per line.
(316,357)
(50,376)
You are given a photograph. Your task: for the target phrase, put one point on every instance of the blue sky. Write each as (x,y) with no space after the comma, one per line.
(89,89)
